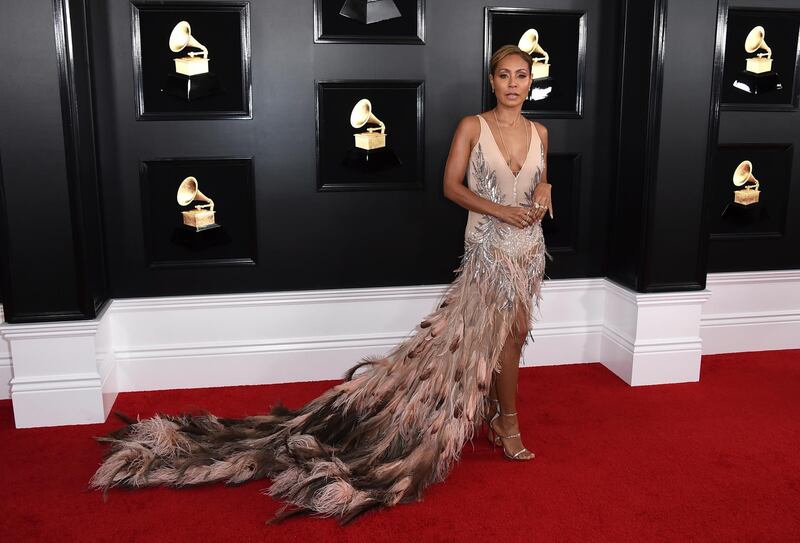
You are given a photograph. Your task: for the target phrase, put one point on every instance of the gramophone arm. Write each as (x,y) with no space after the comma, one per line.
(209,205)
(539,49)
(203,51)
(382,128)
(766,48)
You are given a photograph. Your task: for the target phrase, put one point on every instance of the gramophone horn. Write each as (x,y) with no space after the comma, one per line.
(188,193)
(744,174)
(529,42)
(181,37)
(755,41)
(362,114)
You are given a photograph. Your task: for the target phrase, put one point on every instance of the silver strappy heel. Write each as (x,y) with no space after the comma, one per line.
(515,456)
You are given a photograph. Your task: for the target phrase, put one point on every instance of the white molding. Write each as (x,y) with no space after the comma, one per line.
(752,311)
(278,298)
(56,382)
(219,340)
(64,371)
(50,330)
(772,276)
(652,338)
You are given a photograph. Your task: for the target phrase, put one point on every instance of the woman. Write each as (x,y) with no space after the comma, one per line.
(386,433)
(505,187)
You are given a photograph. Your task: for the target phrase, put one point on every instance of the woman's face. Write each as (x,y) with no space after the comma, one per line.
(511,81)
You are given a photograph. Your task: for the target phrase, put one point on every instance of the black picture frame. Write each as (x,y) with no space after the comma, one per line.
(400,105)
(331,27)
(561,232)
(229,182)
(211,22)
(563,36)
(783,37)
(772,166)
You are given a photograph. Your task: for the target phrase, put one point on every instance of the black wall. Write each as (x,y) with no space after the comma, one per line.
(640,100)
(666,73)
(758,127)
(71,151)
(309,239)
(53,266)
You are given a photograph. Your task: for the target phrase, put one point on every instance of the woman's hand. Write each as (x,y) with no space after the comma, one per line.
(521,217)
(541,201)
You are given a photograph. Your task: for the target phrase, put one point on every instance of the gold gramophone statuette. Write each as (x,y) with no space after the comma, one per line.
(529,42)
(754,42)
(202,216)
(373,137)
(743,177)
(194,63)
(758,77)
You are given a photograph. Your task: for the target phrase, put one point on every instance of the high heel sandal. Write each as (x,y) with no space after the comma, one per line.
(514,456)
(491,435)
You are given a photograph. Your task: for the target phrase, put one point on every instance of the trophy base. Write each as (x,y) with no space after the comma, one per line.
(540,70)
(541,88)
(197,240)
(370,140)
(199,219)
(374,160)
(746,197)
(191,66)
(757,83)
(192,87)
(758,65)
(189,228)
(744,215)
(370,11)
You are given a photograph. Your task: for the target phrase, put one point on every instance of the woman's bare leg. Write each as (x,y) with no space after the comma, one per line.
(506,385)
(492,405)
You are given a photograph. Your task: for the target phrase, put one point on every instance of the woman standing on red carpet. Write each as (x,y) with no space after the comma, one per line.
(389,431)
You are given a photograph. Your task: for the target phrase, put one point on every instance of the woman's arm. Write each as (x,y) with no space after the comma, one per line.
(465,137)
(541,193)
(543,135)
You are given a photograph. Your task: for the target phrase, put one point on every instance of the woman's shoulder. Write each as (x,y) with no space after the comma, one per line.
(540,128)
(469,123)
(469,128)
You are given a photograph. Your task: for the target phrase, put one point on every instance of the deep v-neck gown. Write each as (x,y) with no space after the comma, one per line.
(397,422)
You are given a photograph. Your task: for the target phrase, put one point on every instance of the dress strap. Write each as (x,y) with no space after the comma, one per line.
(483,122)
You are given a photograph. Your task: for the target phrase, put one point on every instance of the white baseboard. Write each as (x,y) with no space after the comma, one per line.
(751,311)
(184,342)
(652,338)
(63,372)
(259,338)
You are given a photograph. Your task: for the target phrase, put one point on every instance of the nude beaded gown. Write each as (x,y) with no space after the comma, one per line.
(396,423)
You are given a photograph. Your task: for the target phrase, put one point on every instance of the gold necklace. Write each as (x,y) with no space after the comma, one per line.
(503,141)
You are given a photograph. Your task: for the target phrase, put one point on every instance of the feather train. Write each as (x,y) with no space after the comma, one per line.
(392,427)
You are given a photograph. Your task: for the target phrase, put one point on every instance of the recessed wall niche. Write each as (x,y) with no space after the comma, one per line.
(198,212)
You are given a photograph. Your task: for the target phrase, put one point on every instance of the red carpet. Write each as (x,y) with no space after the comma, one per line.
(717,460)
